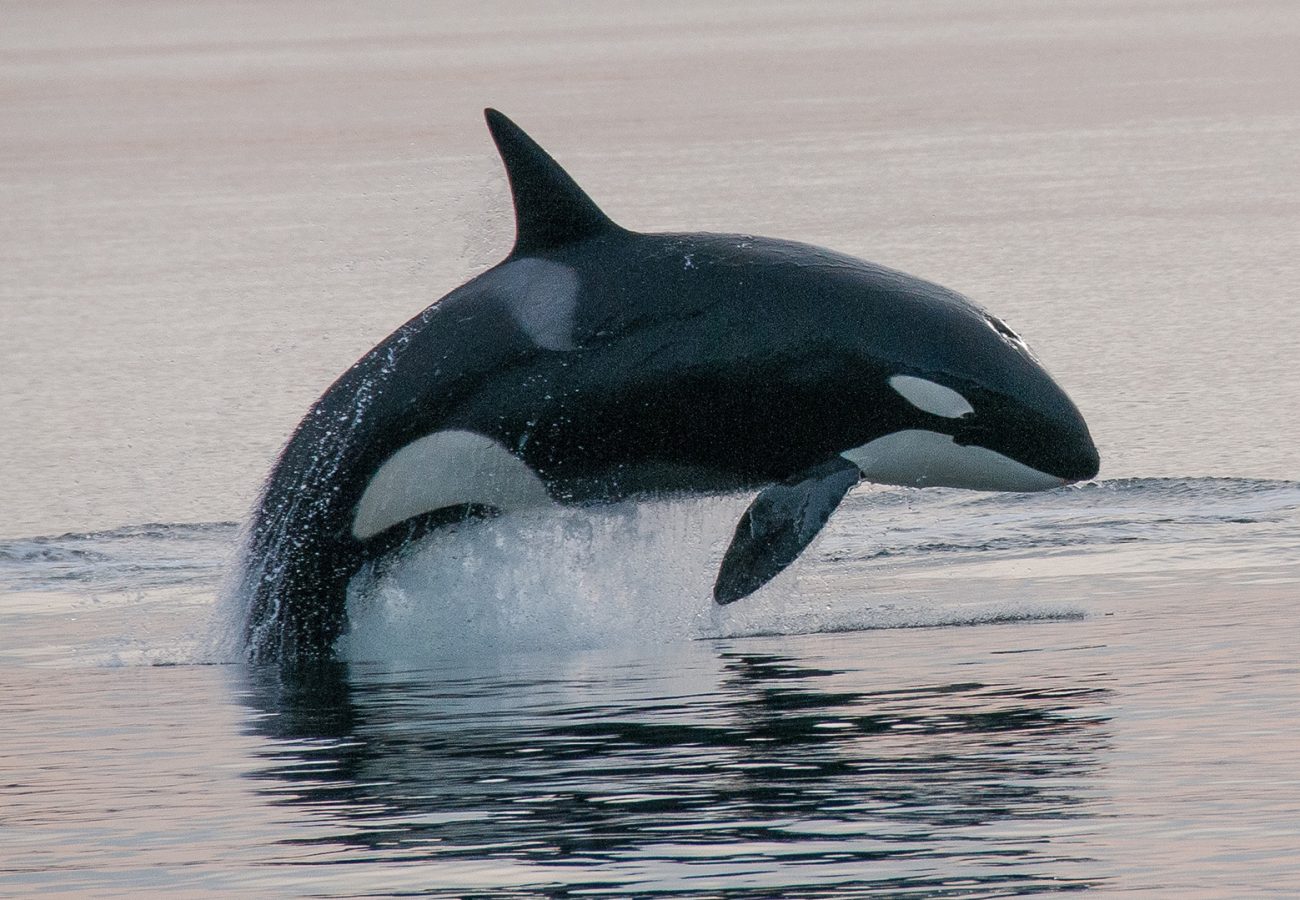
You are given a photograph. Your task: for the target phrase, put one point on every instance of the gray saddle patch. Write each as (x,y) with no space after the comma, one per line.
(542,297)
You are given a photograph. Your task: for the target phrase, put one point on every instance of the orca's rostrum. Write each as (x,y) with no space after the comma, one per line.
(596,364)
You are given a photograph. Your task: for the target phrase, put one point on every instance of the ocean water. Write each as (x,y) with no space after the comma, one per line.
(959,695)
(211,209)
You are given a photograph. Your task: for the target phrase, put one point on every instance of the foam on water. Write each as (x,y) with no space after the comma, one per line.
(623,576)
(637,574)
(566,579)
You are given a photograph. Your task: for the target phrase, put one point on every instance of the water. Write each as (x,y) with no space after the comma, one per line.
(959,695)
(212,210)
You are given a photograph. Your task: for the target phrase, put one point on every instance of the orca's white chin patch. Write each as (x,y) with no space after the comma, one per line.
(447,468)
(928,459)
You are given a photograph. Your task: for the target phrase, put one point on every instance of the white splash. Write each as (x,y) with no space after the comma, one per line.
(546,580)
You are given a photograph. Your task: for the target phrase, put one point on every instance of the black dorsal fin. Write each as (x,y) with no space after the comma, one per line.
(550,208)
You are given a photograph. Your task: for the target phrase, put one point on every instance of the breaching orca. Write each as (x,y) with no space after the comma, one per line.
(596,364)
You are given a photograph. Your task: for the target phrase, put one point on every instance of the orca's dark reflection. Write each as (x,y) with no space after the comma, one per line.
(756,772)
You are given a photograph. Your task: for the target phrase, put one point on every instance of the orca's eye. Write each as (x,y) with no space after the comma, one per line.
(930,397)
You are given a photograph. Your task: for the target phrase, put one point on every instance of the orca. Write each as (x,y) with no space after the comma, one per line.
(595,364)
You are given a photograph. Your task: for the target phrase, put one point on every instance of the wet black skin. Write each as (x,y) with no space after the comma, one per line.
(700,363)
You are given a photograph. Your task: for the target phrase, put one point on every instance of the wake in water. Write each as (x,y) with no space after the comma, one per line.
(130,558)
(622,576)
(637,574)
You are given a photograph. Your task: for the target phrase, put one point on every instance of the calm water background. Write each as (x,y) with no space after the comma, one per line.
(211,209)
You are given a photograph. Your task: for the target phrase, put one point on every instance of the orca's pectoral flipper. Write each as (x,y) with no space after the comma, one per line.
(782,520)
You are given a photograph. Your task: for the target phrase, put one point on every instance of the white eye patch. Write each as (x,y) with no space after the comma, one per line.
(930,397)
